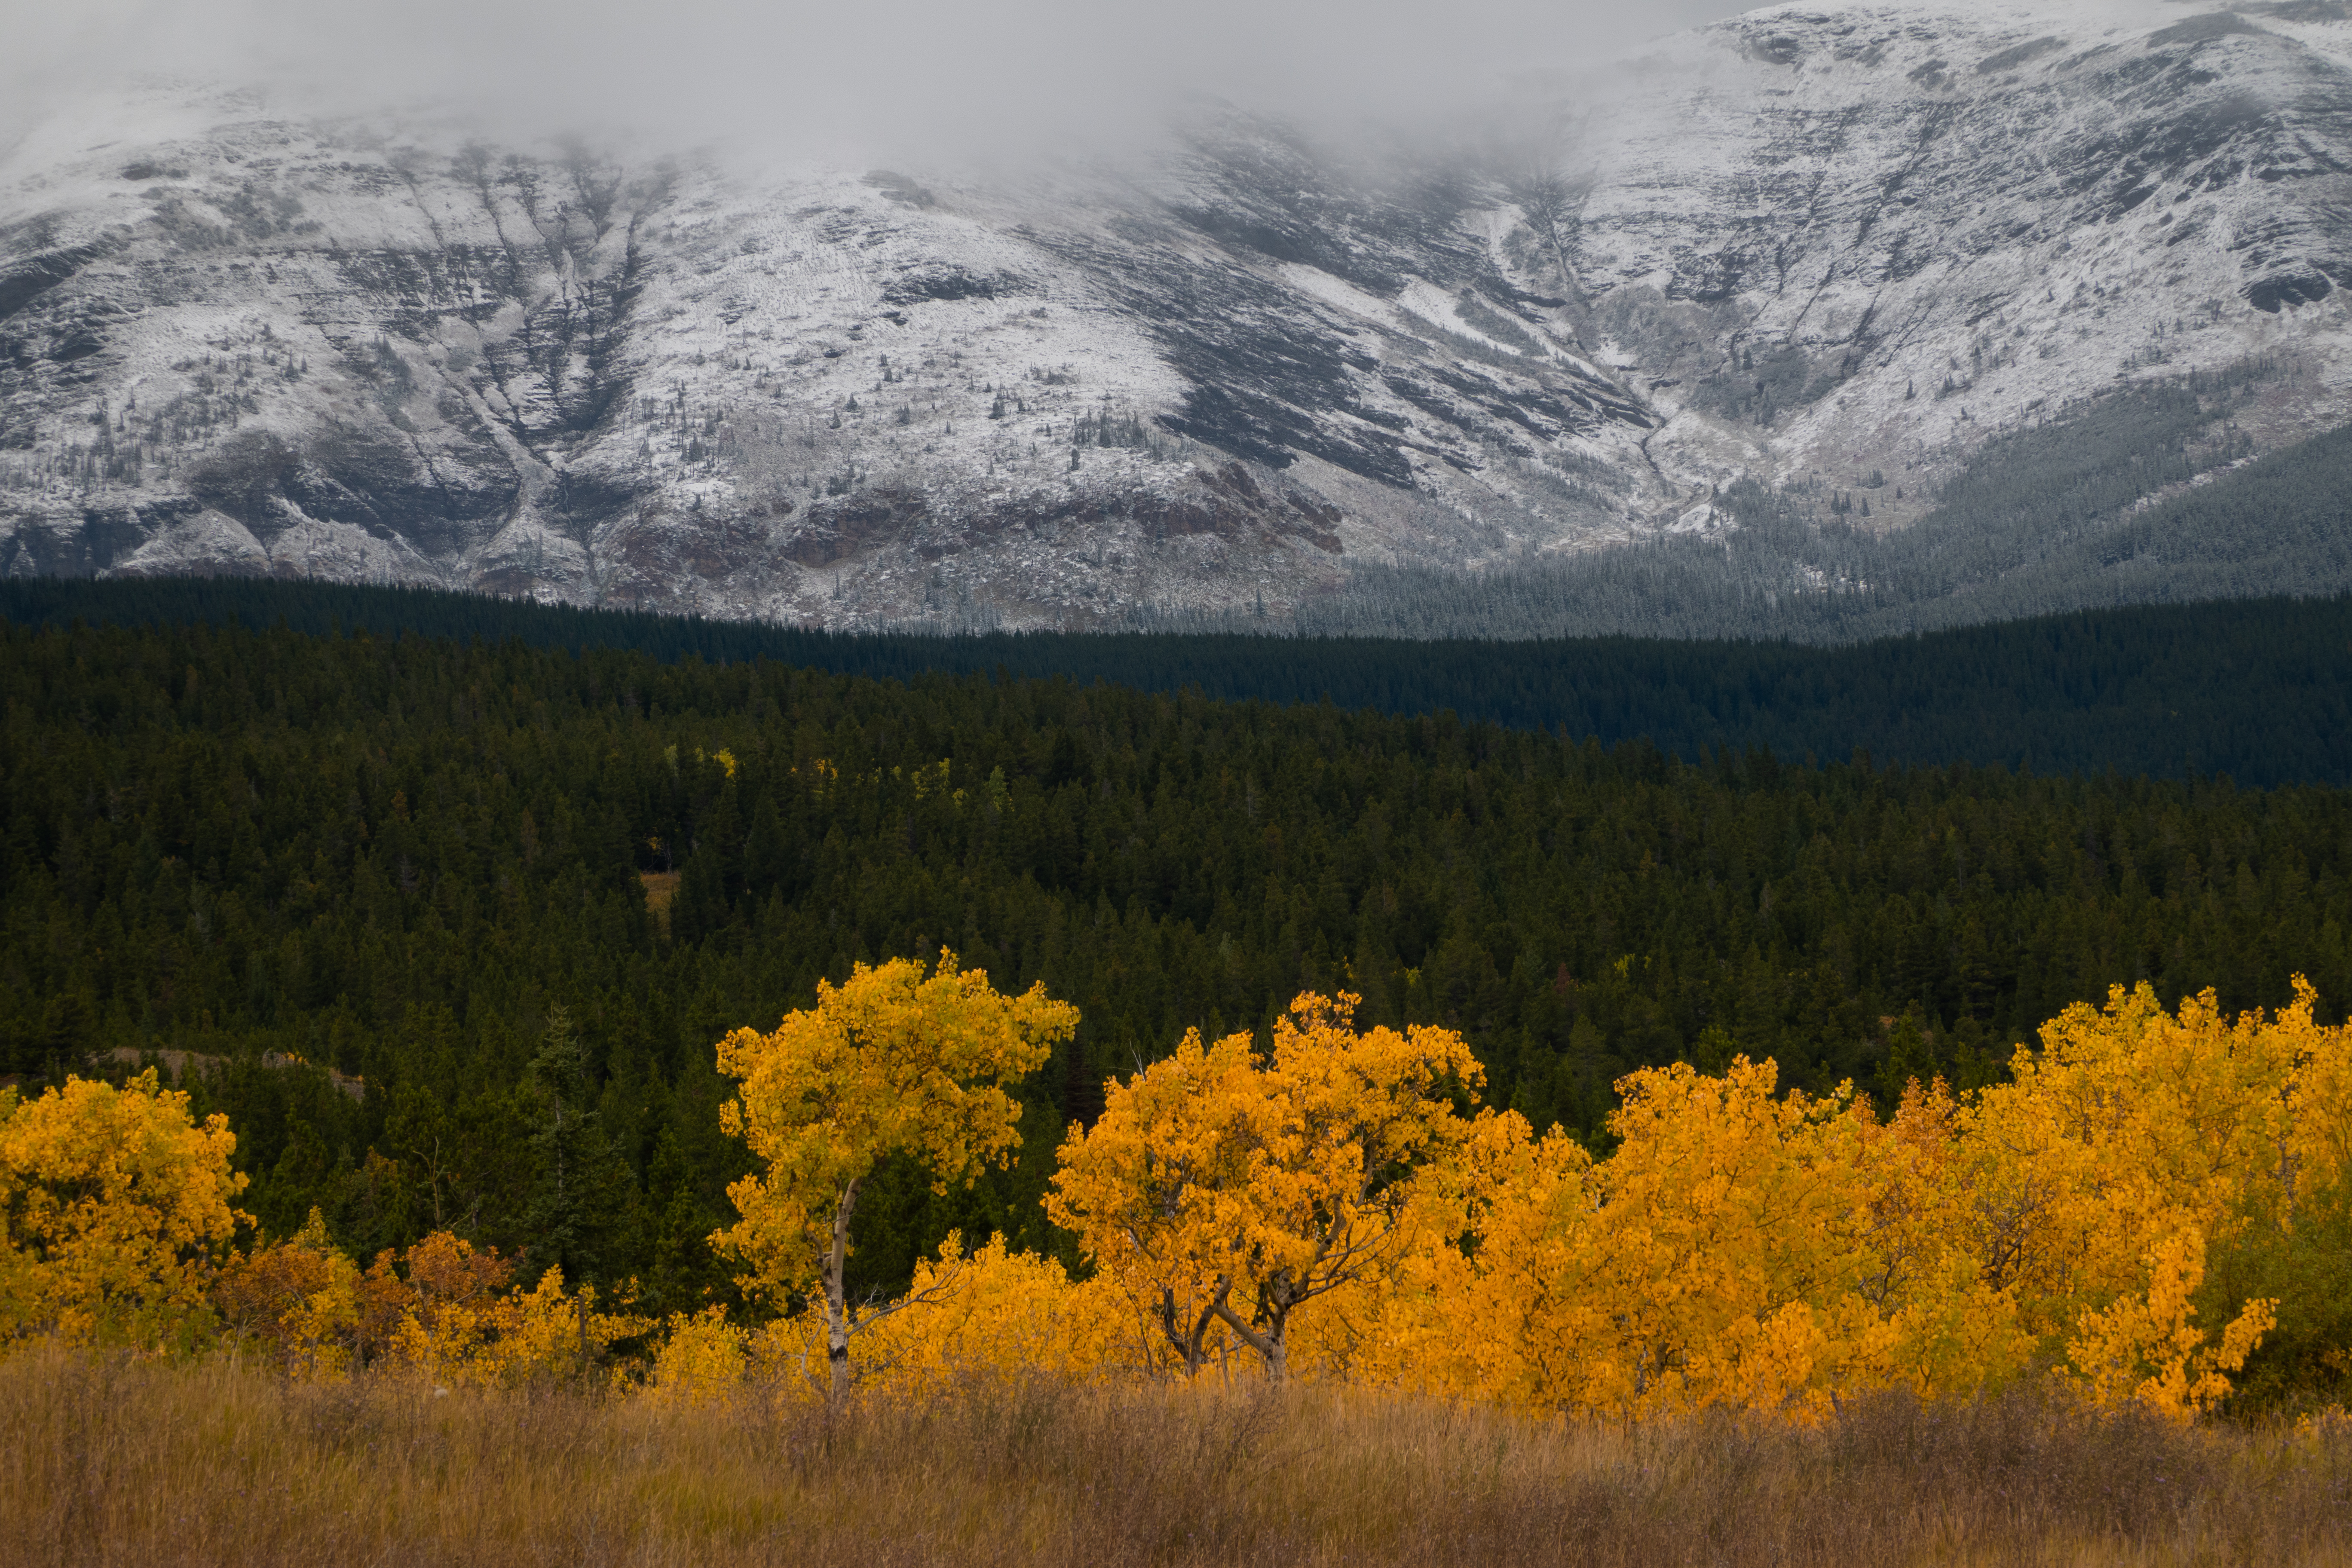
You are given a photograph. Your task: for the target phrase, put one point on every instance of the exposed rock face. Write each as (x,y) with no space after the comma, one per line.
(1864,237)
(1799,245)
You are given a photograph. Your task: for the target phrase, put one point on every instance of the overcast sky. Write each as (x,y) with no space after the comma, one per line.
(787,72)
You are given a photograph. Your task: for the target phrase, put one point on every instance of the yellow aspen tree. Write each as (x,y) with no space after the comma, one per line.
(1136,1185)
(702,1359)
(457,1319)
(1510,1317)
(116,1205)
(1956,1331)
(546,1334)
(2143,1346)
(1224,1194)
(995,1314)
(1734,1248)
(298,1300)
(1738,1249)
(2122,1150)
(891,1062)
(440,1314)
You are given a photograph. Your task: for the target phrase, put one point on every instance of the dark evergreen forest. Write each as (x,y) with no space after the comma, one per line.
(347,880)
(2259,690)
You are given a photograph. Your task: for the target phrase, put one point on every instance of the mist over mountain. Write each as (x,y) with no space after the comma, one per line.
(1814,321)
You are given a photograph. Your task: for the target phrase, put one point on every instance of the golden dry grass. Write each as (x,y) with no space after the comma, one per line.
(114,1462)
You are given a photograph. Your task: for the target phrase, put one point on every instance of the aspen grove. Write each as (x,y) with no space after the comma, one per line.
(2149,1194)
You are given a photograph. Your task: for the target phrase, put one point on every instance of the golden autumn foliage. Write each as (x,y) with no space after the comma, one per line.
(443,1311)
(1330,1211)
(1726,1249)
(993,1313)
(1524,1199)
(1220,1195)
(701,1360)
(1741,1247)
(1738,1248)
(891,1062)
(297,1303)
(115,1203)
(1778,1253)
(988,1314)
(2123,1151)
(458,1322)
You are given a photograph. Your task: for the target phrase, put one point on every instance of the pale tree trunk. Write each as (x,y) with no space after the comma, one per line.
(1272,1343)
(1187,1338)
(836,1304)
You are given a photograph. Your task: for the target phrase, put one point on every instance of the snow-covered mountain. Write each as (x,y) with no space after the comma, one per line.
(1830,247)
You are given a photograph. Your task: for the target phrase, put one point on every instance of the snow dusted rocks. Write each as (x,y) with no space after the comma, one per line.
(1840,240)
(1799,247)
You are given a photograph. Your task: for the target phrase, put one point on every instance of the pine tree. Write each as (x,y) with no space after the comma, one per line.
(579,1185)
(764,849)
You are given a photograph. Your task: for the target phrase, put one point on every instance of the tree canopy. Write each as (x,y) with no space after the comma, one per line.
(890,1062)
(335,885)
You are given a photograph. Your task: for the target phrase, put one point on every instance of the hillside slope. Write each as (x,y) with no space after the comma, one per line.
(1827,254)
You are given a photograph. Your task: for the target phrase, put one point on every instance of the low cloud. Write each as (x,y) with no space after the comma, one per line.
(862,77)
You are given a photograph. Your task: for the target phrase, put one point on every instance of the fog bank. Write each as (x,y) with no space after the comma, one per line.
(952,77)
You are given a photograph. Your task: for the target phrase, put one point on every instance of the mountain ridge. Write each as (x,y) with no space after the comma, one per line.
(1824,252)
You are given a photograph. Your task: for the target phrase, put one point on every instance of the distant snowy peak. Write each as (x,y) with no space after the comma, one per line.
(1857,238)
(1802,247)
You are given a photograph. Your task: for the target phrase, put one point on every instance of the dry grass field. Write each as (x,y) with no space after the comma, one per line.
(121,1462)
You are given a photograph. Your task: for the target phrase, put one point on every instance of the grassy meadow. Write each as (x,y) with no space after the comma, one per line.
(108,1460)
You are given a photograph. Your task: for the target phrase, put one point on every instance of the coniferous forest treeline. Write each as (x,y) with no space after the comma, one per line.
(352,876)
(2145,494)
(2258,690)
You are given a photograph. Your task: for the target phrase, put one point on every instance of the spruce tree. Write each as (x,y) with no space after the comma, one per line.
(579,1184)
